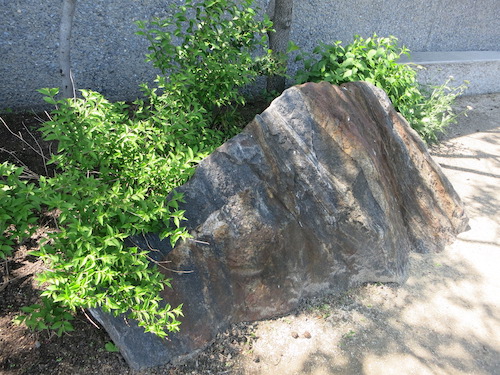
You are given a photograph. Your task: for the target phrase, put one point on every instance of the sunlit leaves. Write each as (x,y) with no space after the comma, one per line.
(19,206)
(118,166)
(219,47)
(375,60)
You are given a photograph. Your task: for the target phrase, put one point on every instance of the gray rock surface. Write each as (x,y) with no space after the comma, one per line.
(326,189)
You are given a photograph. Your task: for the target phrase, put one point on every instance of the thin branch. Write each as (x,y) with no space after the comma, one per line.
(48,115)
(44,158)
(6,282)
(38,118)
(27,172)
(147,243)
(90,319)
(166,268)
(72,83)
(158,263)
(23,140)
(13,154)
(4,285)
(6,277)
(197,241)
(6,265)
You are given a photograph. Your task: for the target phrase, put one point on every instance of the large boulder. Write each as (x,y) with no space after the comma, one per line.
(326,189)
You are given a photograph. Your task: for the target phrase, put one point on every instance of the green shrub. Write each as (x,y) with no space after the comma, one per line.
(46,315)
(19,206)
(374,60)
(116,164)
(114,172)
(208,50)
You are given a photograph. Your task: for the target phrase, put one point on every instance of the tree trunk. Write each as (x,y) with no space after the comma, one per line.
(280,12)
(68,11)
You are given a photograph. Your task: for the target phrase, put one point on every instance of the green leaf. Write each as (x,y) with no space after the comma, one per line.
(347,73)
(110,347)
(49,100)
(292,47)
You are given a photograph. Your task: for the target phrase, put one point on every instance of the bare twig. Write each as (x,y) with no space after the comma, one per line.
(50,149)
(40,150)
(90,319)
(7,281)
(6,276)
(27,172)
(18,136)
(72,83)
(39,119)
(147,243)
(197,241)
(4,285)
(48,115)
(6,265)
(159,264)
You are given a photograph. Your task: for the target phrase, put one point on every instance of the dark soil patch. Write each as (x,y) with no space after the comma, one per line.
(22,143)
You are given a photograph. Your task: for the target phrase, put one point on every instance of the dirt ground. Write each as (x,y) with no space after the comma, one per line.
(444,320)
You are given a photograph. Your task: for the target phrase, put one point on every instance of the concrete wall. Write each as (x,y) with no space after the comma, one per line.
(426,27)
(422,25)
(108,57)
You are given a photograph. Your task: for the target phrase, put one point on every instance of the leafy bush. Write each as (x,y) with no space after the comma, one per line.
(19,204)
(374,60)
(117,164)
(208,50)
(114,172)
(46,315)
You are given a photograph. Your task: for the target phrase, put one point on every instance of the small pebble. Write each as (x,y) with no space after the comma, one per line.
(295,335)
(307,335)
